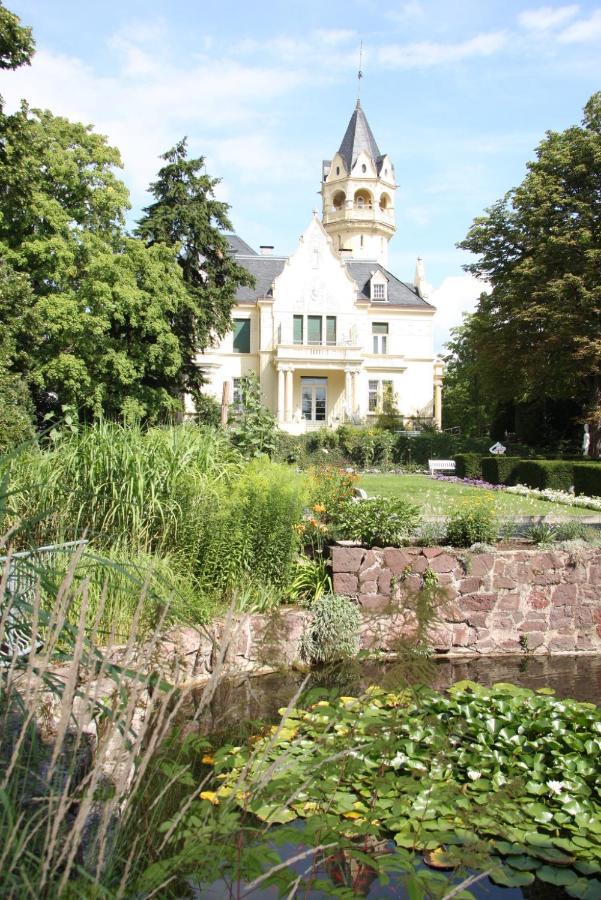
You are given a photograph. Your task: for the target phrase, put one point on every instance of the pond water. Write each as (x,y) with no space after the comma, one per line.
(240,704)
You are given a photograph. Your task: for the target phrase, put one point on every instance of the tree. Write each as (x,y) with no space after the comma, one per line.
(16,410)
(96,326)
(465,404)
(16,41)
(538,332)
(187,217)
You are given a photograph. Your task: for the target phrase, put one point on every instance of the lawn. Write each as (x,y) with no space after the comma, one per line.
(437,498)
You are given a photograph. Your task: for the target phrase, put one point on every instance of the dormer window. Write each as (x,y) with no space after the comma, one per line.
(338,170)
(364,168)
(378,291)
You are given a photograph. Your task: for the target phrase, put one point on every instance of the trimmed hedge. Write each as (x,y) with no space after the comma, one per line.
(546,473)
(468,465)
(500,469)
(587,479)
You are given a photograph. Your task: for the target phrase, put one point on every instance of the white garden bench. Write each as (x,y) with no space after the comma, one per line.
(441,465)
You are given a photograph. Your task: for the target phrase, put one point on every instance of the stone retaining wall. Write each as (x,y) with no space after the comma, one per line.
(509,601)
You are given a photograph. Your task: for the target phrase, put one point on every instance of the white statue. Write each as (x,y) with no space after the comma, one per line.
(586,441)
(498,449)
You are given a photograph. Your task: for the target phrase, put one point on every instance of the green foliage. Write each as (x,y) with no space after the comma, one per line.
(468,465)
(254,430)
(248,534)
(435,771)
(500,469)
(389,417)
(538,248)
(16,412)
(542,533)
(466,404)
(329,489)
(474,522)
(186,217)
(207,410)
(587,479)
(574,531)
(546,473)
(334,632)
(311,579)
(16,41)
(378,521)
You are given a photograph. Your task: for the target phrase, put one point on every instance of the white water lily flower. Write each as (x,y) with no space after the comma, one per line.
(556,787)
(399,760)
(473,774)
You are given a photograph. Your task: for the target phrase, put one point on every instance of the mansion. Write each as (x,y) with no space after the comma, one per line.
(329,331)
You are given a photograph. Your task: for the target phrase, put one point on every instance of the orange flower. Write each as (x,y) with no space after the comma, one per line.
(319,508)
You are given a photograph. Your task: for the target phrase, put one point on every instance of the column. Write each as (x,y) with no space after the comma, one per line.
(289,395)
(280,394)
(348,397)
(354,392)
(438,405)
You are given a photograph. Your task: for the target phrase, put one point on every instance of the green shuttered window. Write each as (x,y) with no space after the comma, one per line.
(242,335)
(298,330)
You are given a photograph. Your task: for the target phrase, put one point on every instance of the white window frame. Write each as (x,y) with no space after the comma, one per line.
(380,341)
(378,288)
(375,396)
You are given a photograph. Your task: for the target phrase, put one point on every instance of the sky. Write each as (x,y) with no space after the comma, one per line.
(457,92)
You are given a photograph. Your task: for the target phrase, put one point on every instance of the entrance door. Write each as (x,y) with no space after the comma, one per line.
(314,394)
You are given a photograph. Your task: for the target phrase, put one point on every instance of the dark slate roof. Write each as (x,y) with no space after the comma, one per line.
(265,269)
(358,137)
(239,247)
(399,293)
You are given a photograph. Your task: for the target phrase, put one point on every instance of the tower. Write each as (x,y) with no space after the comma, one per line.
(358,194)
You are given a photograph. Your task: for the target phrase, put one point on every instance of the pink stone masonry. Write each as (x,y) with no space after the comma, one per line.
(510,601)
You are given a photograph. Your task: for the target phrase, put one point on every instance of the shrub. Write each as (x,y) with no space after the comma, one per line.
(311,580)
(378,521)
(334,632)
(473,523)
(574,531)
(546,473)
(468,465)
(500,469)
(542,533)
(330,488)
(249,533)
(254,429)
(16,412)
(587,479)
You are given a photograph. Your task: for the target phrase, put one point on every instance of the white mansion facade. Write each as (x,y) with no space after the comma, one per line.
(329,331)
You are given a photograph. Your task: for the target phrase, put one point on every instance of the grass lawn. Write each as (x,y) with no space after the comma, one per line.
(437,498)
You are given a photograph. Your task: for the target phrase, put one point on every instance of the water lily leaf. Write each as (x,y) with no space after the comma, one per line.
(523,863)
(546,691)
(537,840)
(585,889)
(404,839)
(511,878)
(558,877)
(507,849)
(440,859)
(587,867)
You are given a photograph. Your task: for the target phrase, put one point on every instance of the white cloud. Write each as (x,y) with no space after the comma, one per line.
(335,36)
(546,18)
(427,53)
(458,294)
(583,30)
(411,11)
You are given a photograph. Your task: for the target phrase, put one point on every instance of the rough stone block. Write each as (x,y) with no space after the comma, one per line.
(482,564)
(479,602)
(374,602)
(470,585)
(453,612)
(347,559)
(502,582)
(534,639)
(431,552)
(419,564)
(564,594)
(397,560)
(440,638)
(538,600)
(443,563)
(562,643)
(372,573)
(345,583)
(369,587)
(508,602)
(384,582)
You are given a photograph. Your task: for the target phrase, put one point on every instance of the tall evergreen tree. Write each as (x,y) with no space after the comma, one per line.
(538,332)
(186,216)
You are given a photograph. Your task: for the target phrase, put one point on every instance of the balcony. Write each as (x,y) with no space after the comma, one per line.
(319,353)
(361,213)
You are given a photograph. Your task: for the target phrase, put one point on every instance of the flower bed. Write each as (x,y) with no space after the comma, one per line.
(554,496)
(470,482)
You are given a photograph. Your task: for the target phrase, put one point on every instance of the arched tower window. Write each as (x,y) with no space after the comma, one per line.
(363,199)
(385,201)
(338,200)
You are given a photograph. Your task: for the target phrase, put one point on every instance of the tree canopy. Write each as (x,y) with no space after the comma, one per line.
(16,41)
(538,332)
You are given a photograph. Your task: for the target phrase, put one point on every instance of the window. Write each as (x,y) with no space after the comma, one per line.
(314,329)
(379,391)
(364,168)
(330,329)
(378,291)
(298,330)
(380,337)
(241,335)
(338,170)
(361,241)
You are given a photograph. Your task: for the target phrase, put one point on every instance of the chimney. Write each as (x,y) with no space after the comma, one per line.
(421,285)
(266,249)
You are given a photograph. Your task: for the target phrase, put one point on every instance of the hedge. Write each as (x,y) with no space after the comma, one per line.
(587,479)
(500,469)
(546,473)
(468,465)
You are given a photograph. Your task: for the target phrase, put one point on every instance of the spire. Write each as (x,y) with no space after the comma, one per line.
(358,137)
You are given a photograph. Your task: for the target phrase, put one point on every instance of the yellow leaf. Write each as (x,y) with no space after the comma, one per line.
(351,815)
(208,759)
(211,796)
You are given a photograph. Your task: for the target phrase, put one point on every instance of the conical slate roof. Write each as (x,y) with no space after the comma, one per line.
(358,137)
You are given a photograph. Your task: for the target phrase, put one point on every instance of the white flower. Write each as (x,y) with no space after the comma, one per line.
(556,787)
(474,774)
(399,760)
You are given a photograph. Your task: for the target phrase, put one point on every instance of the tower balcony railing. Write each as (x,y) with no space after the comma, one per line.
(366,213)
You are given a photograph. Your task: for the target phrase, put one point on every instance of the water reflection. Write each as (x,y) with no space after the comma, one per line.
(240,703)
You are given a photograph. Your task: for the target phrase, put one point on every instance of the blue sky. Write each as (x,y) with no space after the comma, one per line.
(458,92)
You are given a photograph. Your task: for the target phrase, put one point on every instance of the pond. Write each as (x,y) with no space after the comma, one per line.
(240,705)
